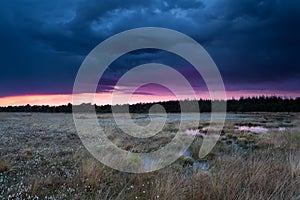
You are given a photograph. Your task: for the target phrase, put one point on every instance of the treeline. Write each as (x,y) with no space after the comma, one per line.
(250,104)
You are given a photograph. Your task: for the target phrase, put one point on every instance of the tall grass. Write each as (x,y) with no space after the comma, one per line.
(259,176)
(269,172)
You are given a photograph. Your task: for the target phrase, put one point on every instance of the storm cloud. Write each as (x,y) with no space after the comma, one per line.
(255,44)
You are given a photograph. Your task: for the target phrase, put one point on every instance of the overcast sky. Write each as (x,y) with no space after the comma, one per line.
(255,43)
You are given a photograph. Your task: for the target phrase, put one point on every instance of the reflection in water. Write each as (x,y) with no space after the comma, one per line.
(187,153)
(202,165)
(148,163)
(254,129)
(194,132)
(281,129)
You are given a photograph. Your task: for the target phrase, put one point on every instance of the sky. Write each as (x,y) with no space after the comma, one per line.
(254,43)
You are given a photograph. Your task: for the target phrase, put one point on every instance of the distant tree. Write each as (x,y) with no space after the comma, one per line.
(249,104)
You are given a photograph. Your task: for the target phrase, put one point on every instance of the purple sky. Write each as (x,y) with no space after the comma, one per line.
(255,44)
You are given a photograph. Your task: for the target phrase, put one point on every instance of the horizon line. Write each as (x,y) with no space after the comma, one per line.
(283,97)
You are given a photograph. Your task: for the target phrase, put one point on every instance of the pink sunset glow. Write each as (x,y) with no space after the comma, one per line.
(105,97)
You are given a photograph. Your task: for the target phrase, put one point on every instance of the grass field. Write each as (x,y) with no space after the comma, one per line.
(256,157)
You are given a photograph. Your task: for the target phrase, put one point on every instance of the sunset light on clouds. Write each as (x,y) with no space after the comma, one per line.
(251,43)
(105,98)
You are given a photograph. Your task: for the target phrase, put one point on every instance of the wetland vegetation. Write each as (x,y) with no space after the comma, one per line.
(256,157)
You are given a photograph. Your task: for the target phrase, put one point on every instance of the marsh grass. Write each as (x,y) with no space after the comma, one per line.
(270,171)
(256,177)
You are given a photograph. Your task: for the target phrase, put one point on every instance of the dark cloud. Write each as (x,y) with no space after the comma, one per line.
(254,43)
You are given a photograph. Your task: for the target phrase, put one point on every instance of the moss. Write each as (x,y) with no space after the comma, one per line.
(135,159)
(109,179)
(4,166)
(232,136)
(176,166)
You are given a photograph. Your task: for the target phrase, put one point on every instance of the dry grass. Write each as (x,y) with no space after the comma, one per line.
(27,152)
(256,177)
(294,161)
(269,172)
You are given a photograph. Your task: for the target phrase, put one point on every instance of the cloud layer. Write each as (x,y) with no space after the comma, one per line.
(255,44)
